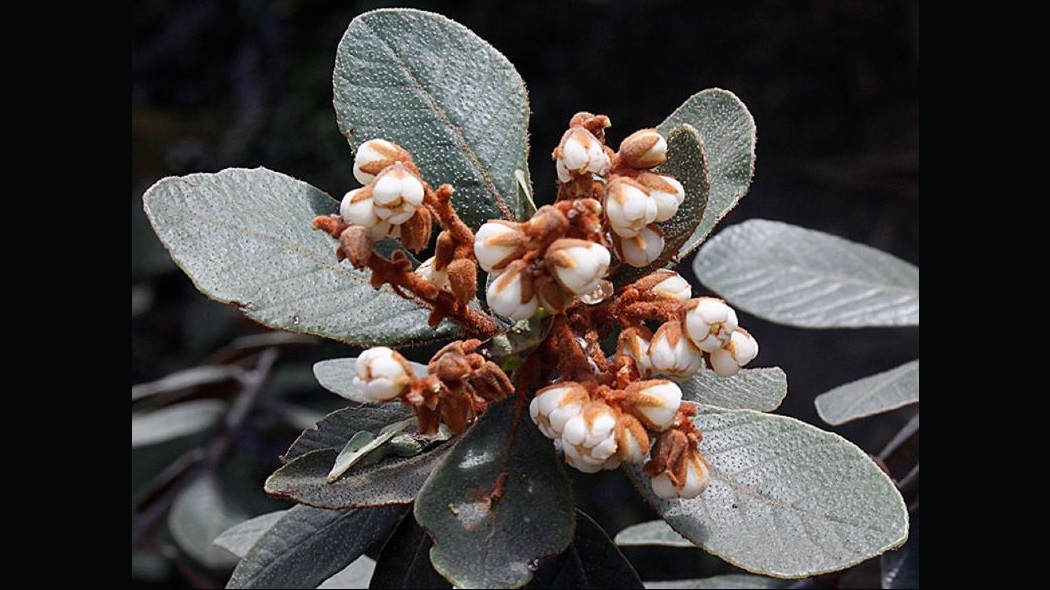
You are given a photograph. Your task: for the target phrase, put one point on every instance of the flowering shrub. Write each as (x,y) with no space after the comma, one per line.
(567,337)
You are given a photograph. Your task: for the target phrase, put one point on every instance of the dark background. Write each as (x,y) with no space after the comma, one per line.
(833,87)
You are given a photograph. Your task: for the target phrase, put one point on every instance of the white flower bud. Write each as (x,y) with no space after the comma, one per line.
(498,243)
(579,153)
(710,323)
(673,287)
(511,294)
(672,354)
(554,405)
(373,156)
(741,350)
(356,209)
(696,476)
(644,149)
(588,439)
(628,207)
(643,249)
(578,265)
(382,374)
(654,402)
(634,343)
(396,194)
(667,198)
(438,277)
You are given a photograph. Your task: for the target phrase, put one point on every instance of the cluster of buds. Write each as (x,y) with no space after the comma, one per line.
(635,198)
(459,385)
(696,333)
(600,427)
(550,260)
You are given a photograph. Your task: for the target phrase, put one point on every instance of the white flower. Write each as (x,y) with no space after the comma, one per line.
(643,249)
(588,438)
(554,405)
(578,265)
(511,294)
(498,243)
(438,277)
(645,148)
(396,194)
(654,402)
(710,323)
(672,353)
(579,153)
(673,286)
(741,350)
(382,374)
(356,209)
(696,475)
(628,207)
(373,156)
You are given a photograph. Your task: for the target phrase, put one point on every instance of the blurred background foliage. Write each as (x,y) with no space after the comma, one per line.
(833,86)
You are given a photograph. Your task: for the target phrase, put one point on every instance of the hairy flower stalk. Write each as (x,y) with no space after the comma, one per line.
(599,411)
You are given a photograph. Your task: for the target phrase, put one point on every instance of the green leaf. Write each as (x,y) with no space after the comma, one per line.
(245,238)
(455,103)
(750,389)
(392,481)
(363,444)
(653,532)
(239,539)
(900,568)
(501,488)
(687,162)
(727,582)
(591,561)
(784,498)
(335,429)
(308,545)
(171,422)
(727,131)
(405,560)
(200,513)
(337,376)
(872,395)
(805,278)
(355,575)
(194,377)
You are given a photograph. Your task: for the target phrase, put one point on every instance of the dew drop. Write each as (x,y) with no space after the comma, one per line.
(296,320)
(601,293)
(533,564)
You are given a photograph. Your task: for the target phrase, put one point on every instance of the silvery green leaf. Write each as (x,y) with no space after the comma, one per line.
(871,395)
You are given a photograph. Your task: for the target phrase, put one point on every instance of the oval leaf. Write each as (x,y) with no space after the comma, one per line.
(501,488)
(245,238)
(687,162)
(805,278)
(200,513)
(750,389)
(392,481)
(308,545)
(653,532)
(176,421)
(335,429)
(337,376)
(239,539)
(434,87)
(784,498)
(355,575)
(591,561)
(727,131)
(726,582)
(871,395)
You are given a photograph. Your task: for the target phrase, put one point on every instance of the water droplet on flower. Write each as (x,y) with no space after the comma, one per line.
(601,293)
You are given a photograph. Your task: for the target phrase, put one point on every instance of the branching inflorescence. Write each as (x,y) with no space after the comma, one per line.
(599,410)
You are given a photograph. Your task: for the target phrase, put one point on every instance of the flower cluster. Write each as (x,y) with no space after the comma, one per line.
(634,197)
(600,412)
